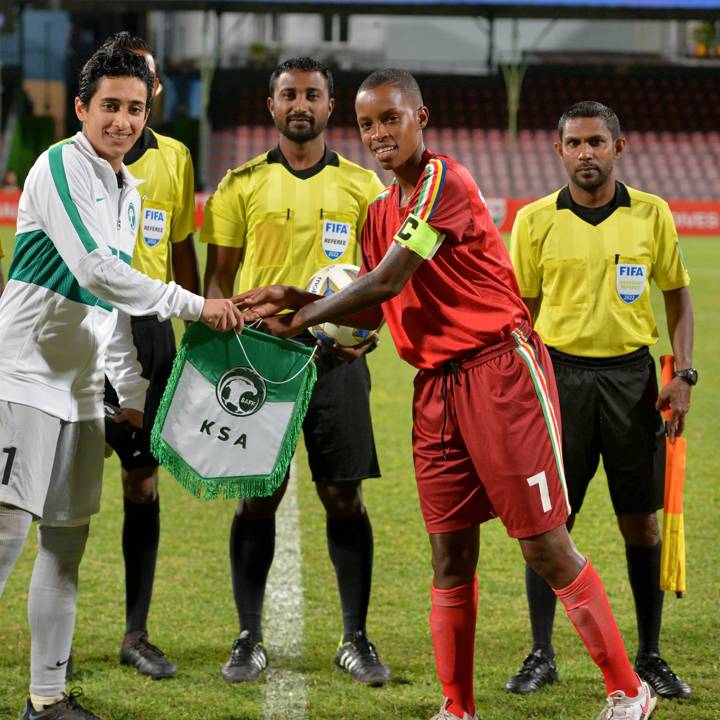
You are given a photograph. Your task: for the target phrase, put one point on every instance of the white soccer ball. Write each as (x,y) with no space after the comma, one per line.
(326,281)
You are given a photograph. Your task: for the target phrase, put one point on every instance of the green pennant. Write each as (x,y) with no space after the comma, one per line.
(231,413)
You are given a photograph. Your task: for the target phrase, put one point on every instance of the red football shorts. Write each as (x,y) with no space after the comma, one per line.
(486,441)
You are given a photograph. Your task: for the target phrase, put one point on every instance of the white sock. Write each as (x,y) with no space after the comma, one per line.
(51,605)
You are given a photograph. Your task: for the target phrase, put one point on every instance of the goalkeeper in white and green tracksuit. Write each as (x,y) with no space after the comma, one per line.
(64,324)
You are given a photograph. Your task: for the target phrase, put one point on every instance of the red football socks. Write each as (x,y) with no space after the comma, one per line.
(589,611)
(452,624)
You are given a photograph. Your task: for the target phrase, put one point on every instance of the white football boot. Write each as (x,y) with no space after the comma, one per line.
(620,707)
(445,714)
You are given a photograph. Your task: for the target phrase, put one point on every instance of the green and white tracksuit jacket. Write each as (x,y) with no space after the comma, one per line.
(64,315)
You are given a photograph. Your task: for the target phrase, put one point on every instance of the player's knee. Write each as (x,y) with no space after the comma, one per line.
(64,539)
(140,485)
(341,500)
(553,556)
(261,507)
(453,564)
(639,529)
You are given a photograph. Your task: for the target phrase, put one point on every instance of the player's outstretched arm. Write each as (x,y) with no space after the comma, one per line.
(222,314)
(263,302)
(357,304)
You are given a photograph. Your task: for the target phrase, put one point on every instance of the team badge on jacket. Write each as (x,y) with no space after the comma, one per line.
(335,238)
(153,227)
(132,217)
(630,281)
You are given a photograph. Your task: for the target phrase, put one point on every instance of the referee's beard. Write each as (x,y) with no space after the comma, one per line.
(300,132)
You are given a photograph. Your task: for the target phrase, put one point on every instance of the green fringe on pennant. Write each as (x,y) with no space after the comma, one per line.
(228,488)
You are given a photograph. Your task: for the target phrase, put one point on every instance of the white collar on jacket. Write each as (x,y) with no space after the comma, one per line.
(103,165)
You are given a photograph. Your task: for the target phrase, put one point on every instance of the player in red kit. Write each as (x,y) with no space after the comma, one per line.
(436,268)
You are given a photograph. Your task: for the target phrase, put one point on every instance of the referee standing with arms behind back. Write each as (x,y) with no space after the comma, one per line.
(584,258)
(279,218)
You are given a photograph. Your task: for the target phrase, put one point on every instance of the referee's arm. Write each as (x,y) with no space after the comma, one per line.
(184,264)
(533,306)
(676,394)
(220,271)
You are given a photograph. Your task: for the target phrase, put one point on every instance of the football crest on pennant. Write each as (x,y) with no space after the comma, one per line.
(335,238)
(630,281)
(241,392)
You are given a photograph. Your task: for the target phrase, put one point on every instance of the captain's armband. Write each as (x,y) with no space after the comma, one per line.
(416,235)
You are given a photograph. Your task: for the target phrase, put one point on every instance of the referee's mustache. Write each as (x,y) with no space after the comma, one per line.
(307,118)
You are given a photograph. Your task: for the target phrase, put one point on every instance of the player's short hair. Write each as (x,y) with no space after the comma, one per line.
(304,64)
(124,40)
(113,63)
(591,109)
(393,76)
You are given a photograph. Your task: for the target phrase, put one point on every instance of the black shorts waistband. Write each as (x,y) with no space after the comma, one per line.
(148,318)
(598,363)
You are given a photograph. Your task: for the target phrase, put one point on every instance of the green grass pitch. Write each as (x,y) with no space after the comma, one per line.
(193,617)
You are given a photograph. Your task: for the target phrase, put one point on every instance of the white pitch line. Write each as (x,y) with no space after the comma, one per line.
(285,691)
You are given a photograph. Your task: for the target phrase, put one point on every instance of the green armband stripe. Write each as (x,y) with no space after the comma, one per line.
(416,235)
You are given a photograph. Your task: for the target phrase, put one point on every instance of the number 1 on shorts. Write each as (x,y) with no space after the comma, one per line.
(8,464)
(540,479)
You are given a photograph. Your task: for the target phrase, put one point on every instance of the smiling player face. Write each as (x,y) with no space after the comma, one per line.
(114,117)
(391,126)
(301,105)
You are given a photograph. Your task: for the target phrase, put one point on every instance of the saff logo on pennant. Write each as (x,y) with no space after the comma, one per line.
(232,411)
(241,392)
(335,238)
(630,281)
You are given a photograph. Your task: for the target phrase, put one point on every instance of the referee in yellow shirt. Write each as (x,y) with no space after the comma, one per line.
(584,258)
(164,250)
(279,218)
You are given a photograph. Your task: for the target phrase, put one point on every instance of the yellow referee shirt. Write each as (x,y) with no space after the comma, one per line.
(168,200)
(593,275)
(290,223)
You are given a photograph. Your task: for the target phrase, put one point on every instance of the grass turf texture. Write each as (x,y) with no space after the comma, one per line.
(193,617)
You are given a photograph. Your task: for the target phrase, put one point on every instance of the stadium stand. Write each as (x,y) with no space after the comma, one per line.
(671,120)
(678,165)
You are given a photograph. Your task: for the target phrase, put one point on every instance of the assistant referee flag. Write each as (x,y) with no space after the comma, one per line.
(231,413)
(672,557)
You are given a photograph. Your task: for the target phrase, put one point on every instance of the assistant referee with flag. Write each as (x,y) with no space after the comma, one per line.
(584,258)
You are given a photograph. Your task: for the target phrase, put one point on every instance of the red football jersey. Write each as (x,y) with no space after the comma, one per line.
(465,297)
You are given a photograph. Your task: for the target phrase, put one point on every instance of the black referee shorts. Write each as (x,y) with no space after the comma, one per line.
(607,407)
(338,427)
(155,343)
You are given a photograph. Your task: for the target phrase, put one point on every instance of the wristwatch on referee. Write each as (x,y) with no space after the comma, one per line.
(689,375)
